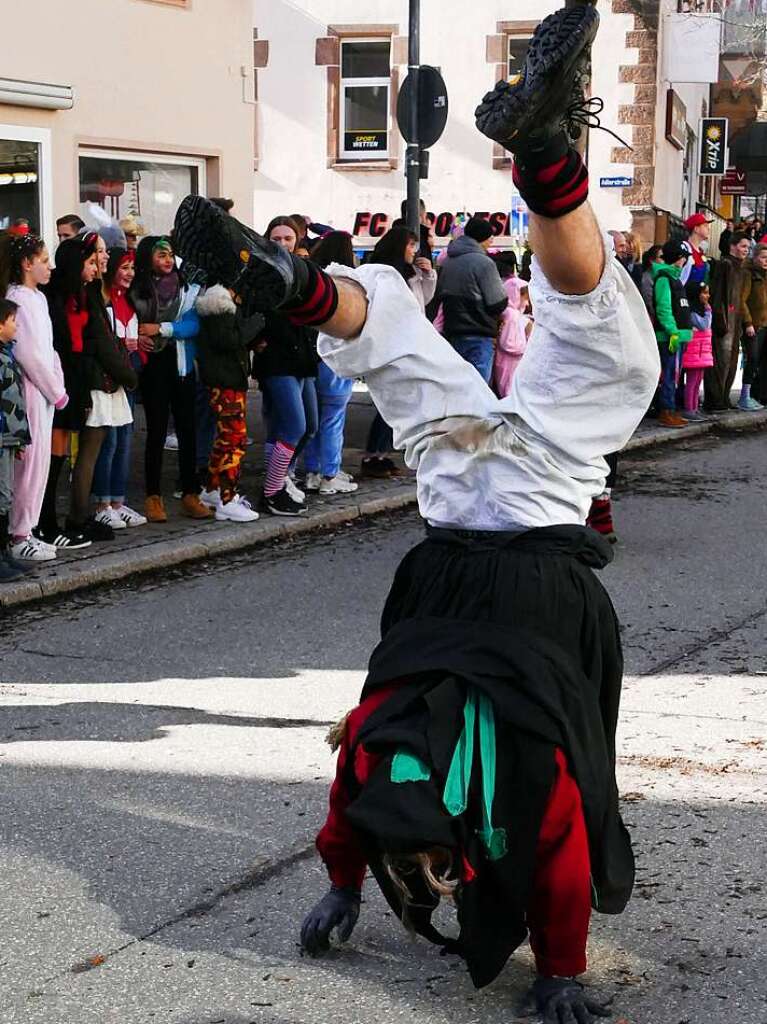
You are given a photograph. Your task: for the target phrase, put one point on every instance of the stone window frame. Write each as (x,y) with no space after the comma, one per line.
(328,55)
(497,54)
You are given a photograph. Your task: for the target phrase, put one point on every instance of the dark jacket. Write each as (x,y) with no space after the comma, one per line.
(755,298)
(102,365)
(670,304)
(728,278)
(290,351)
(14,426)
(223,343)
(471,291)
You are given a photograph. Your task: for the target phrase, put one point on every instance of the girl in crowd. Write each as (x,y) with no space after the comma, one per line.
(96,373)
(168,325)
(399,249)
(24,267)
(113,465)
(513,334)
(223,357)
(285,366)
(698,353)
(325,450)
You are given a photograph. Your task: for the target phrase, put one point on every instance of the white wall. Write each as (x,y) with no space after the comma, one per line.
(292,174)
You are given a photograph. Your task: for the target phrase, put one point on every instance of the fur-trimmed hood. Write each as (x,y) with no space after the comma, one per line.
(215,301)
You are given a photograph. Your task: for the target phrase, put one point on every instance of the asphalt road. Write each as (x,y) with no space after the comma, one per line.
(163,773)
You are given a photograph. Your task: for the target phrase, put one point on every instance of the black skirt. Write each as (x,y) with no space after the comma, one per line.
(523,619)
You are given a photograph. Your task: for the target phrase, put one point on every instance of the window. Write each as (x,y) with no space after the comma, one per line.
(148,186)
(365,101)
(518,43)
(25,178)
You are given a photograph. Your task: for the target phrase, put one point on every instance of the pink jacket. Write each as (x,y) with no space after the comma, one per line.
(699,353)
(34,349)
(512,338)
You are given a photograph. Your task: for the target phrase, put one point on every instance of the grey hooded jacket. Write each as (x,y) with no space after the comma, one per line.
(471,291)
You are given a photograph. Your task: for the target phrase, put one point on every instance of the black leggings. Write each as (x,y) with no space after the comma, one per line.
(88,448)
(162,392)
(380,437)
(752,354)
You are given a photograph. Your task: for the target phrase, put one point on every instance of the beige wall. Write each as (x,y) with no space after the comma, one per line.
(147,76)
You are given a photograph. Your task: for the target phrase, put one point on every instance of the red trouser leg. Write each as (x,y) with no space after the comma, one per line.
(560,907)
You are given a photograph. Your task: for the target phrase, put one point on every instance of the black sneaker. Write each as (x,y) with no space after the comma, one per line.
(14,563)
(92,530)
(70,538)
(281,504)
(8,572)
(263,274)
(527,112)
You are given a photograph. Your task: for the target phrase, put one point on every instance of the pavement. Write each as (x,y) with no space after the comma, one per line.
(159,547)
(164,773)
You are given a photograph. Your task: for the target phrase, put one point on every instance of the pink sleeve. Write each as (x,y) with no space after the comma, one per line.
(439,320)
(46,376)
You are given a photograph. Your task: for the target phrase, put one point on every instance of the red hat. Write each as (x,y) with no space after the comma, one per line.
(696,220)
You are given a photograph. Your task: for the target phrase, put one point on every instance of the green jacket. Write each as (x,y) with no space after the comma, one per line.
(665,319)
(755,297)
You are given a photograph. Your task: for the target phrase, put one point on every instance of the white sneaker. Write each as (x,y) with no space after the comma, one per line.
(130,517)
(171,443)
(109,517)
(338,485)
(211,499)
(345,476)
(294,490)
(32,550)
(313,481)
(238,510)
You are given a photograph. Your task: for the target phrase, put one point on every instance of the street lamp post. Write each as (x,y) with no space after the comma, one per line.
(413,151)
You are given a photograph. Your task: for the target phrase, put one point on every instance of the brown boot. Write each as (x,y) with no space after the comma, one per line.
(193,508)
(668,418)
(154,509)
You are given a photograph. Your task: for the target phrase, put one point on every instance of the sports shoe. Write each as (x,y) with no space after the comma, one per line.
(212,499)
(345,476)
(130,517)
(93,529)
(154,507)
(692,415)
(193,508)
(281,504)
(238,510)
(600,518)
(749,405)
(31,550)
(526,112)
(338,485)
(13,562)
(313,482)
(109,517)
(378,468)
(10,570)
(171,443)
(294,490)
(71,538)
(265,275)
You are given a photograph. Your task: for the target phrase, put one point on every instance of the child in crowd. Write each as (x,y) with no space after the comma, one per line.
(24,267)
(698,354)
(672,327)
(14,432)
(223,357)
(513,334)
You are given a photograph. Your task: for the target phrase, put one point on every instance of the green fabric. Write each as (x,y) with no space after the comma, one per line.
(407,767)
(663,308)
(456,795)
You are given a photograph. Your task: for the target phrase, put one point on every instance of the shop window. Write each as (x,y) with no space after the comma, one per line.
(20,184)
(517,44)
(365,100)
(148,186)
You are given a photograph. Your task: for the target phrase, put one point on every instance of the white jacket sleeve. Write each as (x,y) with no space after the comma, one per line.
(590,369)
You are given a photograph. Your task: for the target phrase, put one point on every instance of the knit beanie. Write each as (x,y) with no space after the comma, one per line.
(478,229)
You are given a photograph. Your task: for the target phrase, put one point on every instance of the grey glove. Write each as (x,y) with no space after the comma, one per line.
(563,1001)
(339,909)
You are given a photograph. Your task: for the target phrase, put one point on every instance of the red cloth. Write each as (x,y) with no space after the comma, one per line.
(76,321)
(560,910)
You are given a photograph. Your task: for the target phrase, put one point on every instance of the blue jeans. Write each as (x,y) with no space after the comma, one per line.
(291,404)
(478,351)
(669,363)
(324,451)
(110,477)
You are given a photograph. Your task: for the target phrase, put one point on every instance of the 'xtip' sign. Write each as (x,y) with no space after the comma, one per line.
(713,146)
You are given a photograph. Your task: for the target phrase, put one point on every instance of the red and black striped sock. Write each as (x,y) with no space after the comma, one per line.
(553,181)
(317,300)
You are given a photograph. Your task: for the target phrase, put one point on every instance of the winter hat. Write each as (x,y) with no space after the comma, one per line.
(478,229)
(673,251)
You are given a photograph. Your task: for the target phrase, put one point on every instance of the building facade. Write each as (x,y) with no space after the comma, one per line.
(127,103)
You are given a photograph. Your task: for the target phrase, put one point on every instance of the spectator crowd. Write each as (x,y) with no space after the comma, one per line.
(120,321)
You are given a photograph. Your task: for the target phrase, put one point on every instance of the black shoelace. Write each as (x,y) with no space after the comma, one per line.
(584,113)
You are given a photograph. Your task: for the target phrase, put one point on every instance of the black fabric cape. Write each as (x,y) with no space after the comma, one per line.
(523,619)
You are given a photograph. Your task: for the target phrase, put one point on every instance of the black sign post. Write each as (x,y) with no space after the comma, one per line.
(413,152)
(712,146)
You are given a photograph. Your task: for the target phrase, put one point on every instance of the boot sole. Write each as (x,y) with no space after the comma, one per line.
(513,110)
(202,234)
